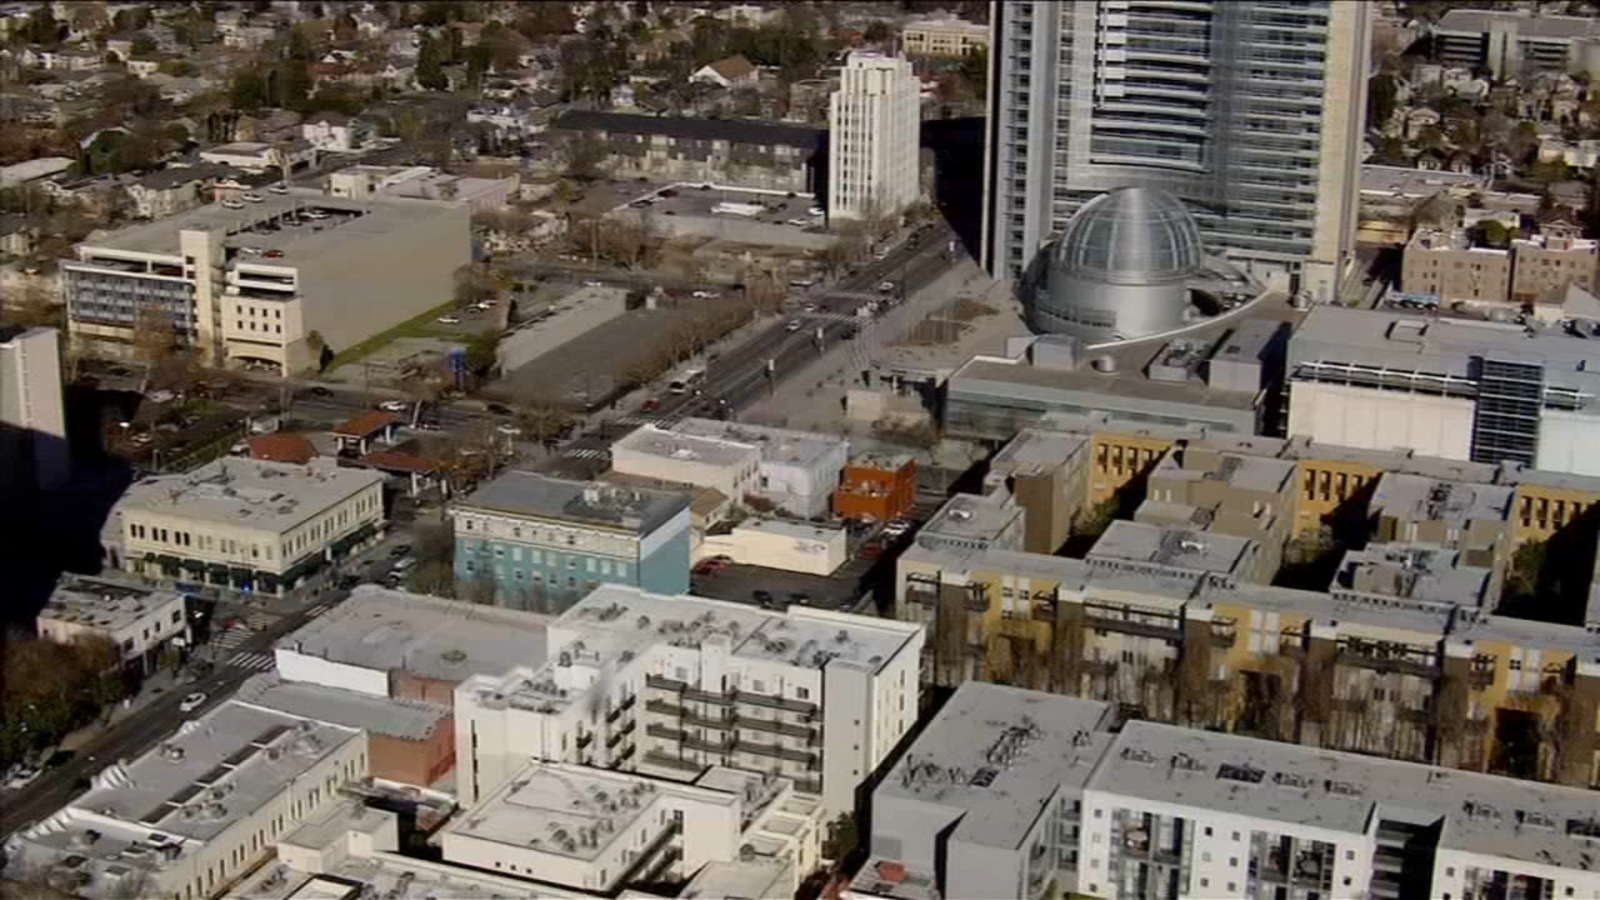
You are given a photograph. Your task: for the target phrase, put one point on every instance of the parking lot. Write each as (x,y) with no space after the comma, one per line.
(739,584)
(696,200)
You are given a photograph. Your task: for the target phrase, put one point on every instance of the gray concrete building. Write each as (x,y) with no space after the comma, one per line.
(253,283)
(717,151)
(1249,112)
(1514,43)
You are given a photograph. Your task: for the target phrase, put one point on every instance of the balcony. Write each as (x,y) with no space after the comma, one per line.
(1386,656)
(812,760)
(1224,632)
(706,745)
(585,739)
(1129,620)
(700,696)
(617,736)
(665,733)
(621,757)
(1481,674)
(783,703)
(662,707)
(617,711)
(664,684)
(775,727)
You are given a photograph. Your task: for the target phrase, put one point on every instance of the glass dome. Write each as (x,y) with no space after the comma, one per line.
(1130,235)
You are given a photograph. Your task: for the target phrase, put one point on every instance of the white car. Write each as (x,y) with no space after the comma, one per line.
(393,405)
(818,211)
(705,295)
(793,326)
(278,189)
(192,702)
(885,287)
(591,283)
(160,396)
(23,777)
(449,320)
(232,204)
(508,430)
(897,528)
(315,214)
(251,197)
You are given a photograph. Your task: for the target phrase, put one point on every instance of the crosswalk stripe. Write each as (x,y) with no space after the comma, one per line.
(258,661)
(319,609)
(587,453)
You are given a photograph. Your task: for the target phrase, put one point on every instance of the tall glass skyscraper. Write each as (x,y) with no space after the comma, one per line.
(1249,111)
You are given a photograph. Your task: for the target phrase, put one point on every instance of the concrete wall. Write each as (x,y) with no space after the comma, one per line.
(378,281)
(419,762)
(751,546)
(1382,420)
(580,312)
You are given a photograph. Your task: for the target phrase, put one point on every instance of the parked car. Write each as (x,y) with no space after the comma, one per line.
(251,197)
(394,405)
(885,287)
(762,598)
(274,254)
(793,326)
(320,391)
(592,283)
(498,409)
(871,549)
(650,405)
(278,189)
(401,550)
(449,320)
(232,204)
(508,429)
(23,777)
(192,702)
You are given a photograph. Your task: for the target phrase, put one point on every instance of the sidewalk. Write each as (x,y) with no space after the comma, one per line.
(161,684)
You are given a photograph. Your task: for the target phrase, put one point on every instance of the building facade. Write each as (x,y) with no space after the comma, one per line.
(945,38)
(266,282)
(245,524)
(716,151)
(529,541)
(671,686)
(1249,112)
(1513,44)
(876,488)
(874,138)
(798,470)
(33,420)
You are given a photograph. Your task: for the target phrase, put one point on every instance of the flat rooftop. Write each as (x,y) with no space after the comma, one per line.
(251,493)
(983,374)
(1037,450)
(685,448)
(569,811)
(1528,26)
(1222,774)
(387,630)
(1412,184)
(635,509)
(999,753)
(970,517)
(410,720)
(617,623)
(1180,548)
(780,445)
(1419,572)
(214,771)
(350,221)
(800,531)
(1416,498)
(1241,470)
(105,603)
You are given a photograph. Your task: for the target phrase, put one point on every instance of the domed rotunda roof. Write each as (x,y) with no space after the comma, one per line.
(1131,235)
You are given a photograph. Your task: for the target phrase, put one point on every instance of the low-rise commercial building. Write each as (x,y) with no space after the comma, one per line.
(1010,793)
(280,280)
(726,466)
(799,470)
(718,151)
(197,811)
(778,544)
(876,488)
(422,183)
(530,541)
(245,524)
(1545,264)
(138,620)
(674,685)
(943,37)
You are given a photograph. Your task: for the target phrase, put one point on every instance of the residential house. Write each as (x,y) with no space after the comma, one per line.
(172,191)
(735,71)
(18,236)
(250,37)
(335,132)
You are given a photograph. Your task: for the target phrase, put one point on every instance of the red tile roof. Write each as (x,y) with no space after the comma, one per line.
(282,447)
(395,461)
(366,424)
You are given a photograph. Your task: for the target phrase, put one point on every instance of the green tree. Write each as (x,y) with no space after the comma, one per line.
(178,68)
(844,836)
(248,91)
(41,27)
(540,21)
(344,28)
(126,20)
(143,47)
(1381,97)
(1494,233)
(293,85)
(430,65)
(480,355)
(877,31)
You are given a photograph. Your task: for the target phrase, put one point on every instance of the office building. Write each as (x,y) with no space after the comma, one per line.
(1549,263)
(138,620)
(195,812)
(874,139)
(714,151)
(1010,793)
(671,686)
(1535,272)
(876,488)
(1513,44)
(1459,389)
(535,542)
(33,421)
(245,524)
(798,470)
(1250,113)
(256,283)
(943,37)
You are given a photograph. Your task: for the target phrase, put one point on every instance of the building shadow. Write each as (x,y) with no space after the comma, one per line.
(958,188)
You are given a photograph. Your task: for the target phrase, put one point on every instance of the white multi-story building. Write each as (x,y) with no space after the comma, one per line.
(1248,111)
(731,468)
(1015,793)
(199,810)
(672,686)
(279,279)
(33,421)
(874,138)
(245,523)
(140,621)
(799,470)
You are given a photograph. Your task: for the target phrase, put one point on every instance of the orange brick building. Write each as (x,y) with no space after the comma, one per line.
(877,488)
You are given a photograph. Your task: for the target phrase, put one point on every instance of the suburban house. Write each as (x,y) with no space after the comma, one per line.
(334,132)
(735,71)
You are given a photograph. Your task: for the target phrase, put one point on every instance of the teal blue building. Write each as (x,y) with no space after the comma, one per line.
(544,543)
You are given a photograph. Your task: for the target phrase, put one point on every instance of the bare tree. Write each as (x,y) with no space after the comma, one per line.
(155,337)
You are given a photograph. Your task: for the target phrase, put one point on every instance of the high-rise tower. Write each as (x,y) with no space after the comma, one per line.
(874,138)
(1249,111)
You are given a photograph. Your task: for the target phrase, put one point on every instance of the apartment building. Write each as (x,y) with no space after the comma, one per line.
(1472,518)
(1221,493)
(717,151)
(542,543)
(1209,106)
(1546,264)
(1043,796)
(195,812)
(255,283)
(947,38)
(671,686)
(874,138)
(422,183)
(1515,43)
(1457,389)
(1047,472)
(245,524)
(1446,265)
(138,620)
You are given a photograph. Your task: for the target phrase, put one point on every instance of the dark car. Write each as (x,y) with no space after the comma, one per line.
(763,598)
(348,582)
(320,391)
(400,551)
(499,409)
(800,597)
